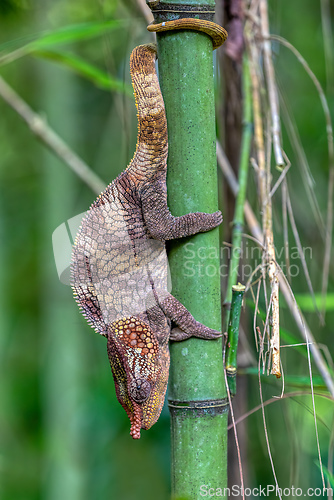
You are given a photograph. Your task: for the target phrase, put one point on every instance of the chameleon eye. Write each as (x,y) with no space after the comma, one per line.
(139,390)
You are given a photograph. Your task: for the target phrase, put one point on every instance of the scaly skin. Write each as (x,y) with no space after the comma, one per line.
(217,34)
(119,263)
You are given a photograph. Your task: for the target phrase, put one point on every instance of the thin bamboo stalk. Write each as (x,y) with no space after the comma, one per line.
(233,335)
(270,76)
(264,176)
(287,293)
(241,196)
(231,320)
(330,142)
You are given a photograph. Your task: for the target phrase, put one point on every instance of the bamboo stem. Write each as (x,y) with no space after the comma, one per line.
(264,176)
(233,336)
(330,142)
(241,196)
(270,76)
(197,394)
(286,291)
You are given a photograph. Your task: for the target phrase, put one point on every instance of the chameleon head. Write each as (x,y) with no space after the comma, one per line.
(140,370)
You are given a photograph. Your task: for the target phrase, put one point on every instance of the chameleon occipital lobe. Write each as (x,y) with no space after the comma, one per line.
(119,270)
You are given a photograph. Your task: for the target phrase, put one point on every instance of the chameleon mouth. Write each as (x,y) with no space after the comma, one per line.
(136,421)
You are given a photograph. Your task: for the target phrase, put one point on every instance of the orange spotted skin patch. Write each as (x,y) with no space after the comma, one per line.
(134,334)
(119,269)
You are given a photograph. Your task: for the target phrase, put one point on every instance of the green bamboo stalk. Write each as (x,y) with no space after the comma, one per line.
(233,335)
(232,313)
(197,394)
(241,196)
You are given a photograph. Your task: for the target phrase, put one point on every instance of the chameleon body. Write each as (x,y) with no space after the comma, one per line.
(119,270)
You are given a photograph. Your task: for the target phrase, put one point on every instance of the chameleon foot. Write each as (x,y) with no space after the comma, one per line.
(177,335)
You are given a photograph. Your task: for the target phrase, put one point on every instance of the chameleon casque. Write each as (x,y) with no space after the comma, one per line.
(119,270)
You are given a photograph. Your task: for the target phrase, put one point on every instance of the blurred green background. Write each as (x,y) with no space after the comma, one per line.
(62,433)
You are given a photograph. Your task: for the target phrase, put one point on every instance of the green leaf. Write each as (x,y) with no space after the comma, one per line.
(328,475)
(289,339)
(294,380)
(66,34)
(74,33)
(305,301)
(99,77)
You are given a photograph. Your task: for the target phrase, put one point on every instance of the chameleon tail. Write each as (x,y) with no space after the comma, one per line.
(152,143)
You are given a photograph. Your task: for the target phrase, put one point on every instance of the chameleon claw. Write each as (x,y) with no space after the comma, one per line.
(209,335)
(177,335)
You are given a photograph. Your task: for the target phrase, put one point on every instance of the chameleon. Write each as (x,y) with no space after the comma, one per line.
(119,267)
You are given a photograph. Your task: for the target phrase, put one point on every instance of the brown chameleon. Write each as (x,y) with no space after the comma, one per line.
(119,270)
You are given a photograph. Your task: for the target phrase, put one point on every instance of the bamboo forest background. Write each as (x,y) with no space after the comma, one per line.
(62,432)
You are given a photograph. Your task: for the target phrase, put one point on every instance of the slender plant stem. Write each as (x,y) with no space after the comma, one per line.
(40,128)
(271,84)
(328,43)
(233,336)
(228,172)
(241,196)
(287,293)
(329,128)
(264,174)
